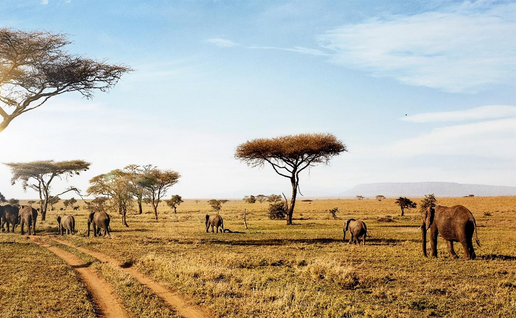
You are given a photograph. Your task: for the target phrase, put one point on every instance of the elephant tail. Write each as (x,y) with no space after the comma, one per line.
(476,234)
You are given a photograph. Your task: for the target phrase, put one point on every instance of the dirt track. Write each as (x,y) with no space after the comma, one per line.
(172,299)
(104,296)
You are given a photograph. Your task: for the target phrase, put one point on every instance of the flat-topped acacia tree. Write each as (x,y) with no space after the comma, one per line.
(38,175)
(290,155)
(34,67)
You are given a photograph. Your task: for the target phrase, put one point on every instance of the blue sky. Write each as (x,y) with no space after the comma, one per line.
(417,90)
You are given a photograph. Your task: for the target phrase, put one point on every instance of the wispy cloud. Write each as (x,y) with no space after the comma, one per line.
(457,50)
(44,2)
(478,113)
(222,42)
(297,49)
(489,139)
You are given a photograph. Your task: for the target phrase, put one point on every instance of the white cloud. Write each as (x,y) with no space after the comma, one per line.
(459,50)
(44,2)
(222,42)
(479,113)
(489,139)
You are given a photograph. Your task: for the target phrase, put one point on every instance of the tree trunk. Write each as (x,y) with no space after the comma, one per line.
(155,206)
(124,219)
(140,208)
(402,211)
(175,210)
(290,212)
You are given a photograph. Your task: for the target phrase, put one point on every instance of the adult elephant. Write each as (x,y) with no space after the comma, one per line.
(454,224)
(10,216)
(28,216)
(357,229)
(66,224)
(99,220)
(215,222)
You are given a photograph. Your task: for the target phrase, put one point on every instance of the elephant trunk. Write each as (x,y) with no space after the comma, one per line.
(423,236)
(344,238)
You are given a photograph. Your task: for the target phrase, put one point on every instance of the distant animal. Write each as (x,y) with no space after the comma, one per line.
(454,224)
(99,220)
(66,224)
(10,216)
(357,229)
(215,222)
(61,209)
(75,208)
(28,216)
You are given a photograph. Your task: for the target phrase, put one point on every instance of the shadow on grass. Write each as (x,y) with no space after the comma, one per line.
(495,257)
(280,242)
(85,265)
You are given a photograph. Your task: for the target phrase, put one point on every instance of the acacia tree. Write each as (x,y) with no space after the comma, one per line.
(38,175)
(114,185)
(174,202)
(53,200)
(135,174)
(428,201)
(156,184)
(290,155)
(405,203)
(35,67)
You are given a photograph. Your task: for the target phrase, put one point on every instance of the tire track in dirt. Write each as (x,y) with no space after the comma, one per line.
(172,299)
(108,305)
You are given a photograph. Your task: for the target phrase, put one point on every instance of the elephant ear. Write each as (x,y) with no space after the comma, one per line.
(429,217)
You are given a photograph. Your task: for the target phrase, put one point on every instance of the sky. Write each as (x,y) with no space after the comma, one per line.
(416,90)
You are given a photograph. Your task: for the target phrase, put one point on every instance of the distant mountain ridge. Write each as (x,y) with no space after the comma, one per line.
(419,189)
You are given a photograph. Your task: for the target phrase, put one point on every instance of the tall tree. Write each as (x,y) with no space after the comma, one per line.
(156,183)
(290,155)
(35,67)
(405,203)
(38,175)
(135,174)
(2,198)
(116,186)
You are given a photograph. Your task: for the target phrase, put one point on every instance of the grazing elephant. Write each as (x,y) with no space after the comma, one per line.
(10,216)
(357,229)
(100,220)
(28,216)
(66,224)
(454,224)
(214,221)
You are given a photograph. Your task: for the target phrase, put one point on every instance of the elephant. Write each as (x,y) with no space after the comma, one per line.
(454,224)
(357,229)
(100,220)
(214,221)
(66,224)
(28,216)
(10,216)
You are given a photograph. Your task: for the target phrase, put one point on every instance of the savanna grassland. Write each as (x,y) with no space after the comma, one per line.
(271,269)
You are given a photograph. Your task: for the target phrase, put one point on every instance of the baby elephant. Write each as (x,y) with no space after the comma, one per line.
(28,216)
(358,230)
(66,224)
(214,221)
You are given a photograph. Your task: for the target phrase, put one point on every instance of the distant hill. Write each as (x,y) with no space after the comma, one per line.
(419,189)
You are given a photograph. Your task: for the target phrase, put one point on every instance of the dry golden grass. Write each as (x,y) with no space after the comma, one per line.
(305,270)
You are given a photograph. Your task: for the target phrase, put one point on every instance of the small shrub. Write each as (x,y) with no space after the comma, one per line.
(334,212)
(277,211)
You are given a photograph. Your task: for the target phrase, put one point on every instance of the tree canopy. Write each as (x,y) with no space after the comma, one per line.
(38,175)
(156,183)
(290,155)
(34,67)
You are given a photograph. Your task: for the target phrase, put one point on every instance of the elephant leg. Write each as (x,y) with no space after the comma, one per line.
(471,250)
(363,239)
(467,250)
(433,242)
(451,250)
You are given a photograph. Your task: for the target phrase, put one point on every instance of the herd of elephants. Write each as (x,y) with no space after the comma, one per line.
(454,224)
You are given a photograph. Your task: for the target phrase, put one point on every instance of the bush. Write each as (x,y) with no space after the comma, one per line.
(277,211)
